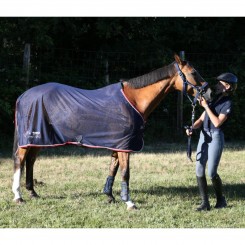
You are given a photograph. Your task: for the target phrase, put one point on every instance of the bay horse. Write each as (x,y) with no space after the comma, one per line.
(142,94)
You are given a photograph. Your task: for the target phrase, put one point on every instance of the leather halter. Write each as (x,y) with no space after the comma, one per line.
(200,89)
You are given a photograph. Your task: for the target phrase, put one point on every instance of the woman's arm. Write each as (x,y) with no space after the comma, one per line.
(197,124)
(216,120)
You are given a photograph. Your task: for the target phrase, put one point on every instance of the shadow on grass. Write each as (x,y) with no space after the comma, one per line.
(233,191)
(230,190)
(236,191)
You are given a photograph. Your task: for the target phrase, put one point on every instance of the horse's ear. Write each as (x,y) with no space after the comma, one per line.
(178,60)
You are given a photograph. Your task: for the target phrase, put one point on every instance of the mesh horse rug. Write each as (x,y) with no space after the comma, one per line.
(54,114)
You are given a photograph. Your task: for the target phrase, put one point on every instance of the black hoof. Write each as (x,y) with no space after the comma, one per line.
(34,195)
(204,207)
(19,201)
(111,199)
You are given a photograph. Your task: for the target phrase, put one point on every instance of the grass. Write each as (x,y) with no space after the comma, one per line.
(163,186)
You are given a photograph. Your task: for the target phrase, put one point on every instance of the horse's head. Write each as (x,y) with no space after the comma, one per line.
(190,81)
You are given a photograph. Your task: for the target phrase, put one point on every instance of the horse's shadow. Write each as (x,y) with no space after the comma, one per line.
(236,191)
(231,191)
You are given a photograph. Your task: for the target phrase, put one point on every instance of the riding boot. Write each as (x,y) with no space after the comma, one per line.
(217,185)
(203,189)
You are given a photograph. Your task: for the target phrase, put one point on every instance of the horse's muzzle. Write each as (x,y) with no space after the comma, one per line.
(207,94)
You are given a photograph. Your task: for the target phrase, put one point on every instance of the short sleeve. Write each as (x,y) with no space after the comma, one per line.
(226,108)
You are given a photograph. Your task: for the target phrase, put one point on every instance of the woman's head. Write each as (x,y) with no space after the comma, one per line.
(227,82)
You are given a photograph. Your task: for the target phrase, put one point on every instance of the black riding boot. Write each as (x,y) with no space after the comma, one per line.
(203,189)
(217,185)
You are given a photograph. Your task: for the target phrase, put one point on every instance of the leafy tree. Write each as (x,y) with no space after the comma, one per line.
(55,41)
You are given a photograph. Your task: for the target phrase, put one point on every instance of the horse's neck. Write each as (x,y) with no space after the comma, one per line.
(146,99)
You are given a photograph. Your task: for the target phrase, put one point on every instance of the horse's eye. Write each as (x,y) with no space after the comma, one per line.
(194,72)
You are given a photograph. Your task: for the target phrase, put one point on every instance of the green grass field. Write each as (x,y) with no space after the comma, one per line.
(163,186)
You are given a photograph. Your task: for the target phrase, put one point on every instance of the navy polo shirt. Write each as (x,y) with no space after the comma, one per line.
(222,106)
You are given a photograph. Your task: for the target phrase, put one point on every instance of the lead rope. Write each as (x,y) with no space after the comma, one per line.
(189,148)
(193,103)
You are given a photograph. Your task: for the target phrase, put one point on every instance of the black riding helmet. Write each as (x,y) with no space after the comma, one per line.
(229,78)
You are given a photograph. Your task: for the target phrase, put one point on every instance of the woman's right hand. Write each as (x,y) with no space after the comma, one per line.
(188,131)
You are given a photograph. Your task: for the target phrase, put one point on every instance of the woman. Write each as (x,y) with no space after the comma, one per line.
(211,141)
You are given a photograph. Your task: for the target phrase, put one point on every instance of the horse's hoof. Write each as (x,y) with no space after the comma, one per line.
(111,199)
(19,201)
(34,196)
(132,208)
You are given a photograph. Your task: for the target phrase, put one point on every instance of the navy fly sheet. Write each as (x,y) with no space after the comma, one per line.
(54,114)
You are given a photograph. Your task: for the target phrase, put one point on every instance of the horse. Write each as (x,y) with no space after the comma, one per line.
(51,120)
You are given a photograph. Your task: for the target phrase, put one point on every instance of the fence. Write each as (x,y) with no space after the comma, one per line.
(90,69)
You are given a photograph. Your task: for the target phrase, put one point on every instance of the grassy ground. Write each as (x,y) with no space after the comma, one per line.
(163,186)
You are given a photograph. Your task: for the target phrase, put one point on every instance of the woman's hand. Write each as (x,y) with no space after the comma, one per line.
(188,131)
(203,103)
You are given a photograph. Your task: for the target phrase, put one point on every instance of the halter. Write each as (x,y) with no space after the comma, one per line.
(200,91)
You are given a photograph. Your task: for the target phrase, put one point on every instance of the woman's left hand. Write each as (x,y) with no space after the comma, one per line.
(203,102)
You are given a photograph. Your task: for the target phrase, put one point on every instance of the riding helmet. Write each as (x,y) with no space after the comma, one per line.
(227,77)
(231,79)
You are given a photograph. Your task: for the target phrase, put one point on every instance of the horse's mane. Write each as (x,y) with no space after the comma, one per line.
(152,77)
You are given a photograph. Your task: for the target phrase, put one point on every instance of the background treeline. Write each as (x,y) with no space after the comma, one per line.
(93,52)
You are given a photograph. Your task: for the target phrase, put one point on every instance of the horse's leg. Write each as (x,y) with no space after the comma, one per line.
(19,162)
(111,177)
(30,160)
(125,171)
